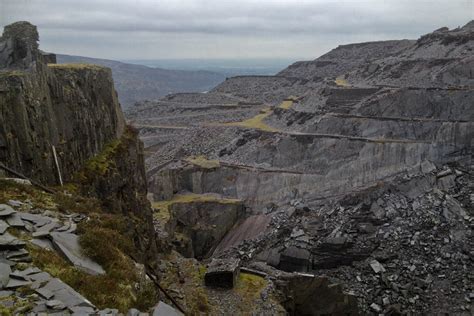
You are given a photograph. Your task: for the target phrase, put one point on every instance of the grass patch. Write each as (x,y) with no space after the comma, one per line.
(193,290)
(117,288)
(11,73)
(11,190)
(101,163)
(203,162)
(341,82)
(74,203)
(162,208)
(20,306)
(249,287)
(256,122)
(288,102)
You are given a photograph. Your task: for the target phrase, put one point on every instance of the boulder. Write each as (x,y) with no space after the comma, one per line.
(295,259)
(222,273)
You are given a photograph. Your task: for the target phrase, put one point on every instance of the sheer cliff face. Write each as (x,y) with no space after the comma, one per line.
(71,110)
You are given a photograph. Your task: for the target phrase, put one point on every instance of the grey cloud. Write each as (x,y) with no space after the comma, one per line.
(260,25)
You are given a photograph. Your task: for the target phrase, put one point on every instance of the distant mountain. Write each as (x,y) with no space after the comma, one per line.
(136,82)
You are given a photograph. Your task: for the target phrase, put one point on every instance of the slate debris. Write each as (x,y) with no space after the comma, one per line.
(418,257)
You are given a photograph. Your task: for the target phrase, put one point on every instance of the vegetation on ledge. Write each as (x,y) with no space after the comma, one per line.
(162,208)
(76,66)
(104,238)
(203,162)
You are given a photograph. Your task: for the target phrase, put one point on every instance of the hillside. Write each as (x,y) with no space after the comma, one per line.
(356,166)
(340,186)
(137,83)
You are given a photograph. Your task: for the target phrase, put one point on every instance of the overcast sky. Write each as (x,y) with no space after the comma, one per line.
(290,29)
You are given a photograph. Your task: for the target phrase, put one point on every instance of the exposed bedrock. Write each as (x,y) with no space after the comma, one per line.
(202,224)
(73,108)
(64,122)
(309,295)
(307,167)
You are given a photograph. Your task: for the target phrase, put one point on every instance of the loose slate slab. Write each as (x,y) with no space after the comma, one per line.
(82,310)
(15,220)
(3,227)
(40,277)
(55,304)
(6,210)
(37,220)
(17,254)
(376,266)
(222,273)
(163,309)
(16,283)
(8,241)
(47,227)
(68,245)
(5,271)
(66,294)
(43,243)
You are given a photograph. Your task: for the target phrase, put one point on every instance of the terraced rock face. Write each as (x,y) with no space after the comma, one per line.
(337,135)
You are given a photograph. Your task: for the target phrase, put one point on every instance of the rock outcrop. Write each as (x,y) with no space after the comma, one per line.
(72,110)
(63,124)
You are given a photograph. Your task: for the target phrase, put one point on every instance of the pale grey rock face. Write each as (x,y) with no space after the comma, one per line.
(163,309)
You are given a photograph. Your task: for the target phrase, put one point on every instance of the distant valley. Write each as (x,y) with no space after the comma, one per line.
(137,82)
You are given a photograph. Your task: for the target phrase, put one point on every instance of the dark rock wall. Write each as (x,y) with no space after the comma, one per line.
(75,109)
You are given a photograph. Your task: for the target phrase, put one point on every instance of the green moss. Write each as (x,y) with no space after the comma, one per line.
(101,163)
(104,163)
(72,202)
(20,306)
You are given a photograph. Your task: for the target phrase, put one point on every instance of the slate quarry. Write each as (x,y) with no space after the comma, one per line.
(356,166)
